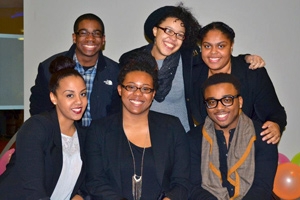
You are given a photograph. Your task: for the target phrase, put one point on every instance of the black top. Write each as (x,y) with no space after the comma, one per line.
(150,186)
(107,144)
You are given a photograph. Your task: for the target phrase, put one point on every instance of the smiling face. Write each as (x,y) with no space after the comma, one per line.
(87,48)
(136,102)
(165,44)
(70,99)
(216,51)
(225,118)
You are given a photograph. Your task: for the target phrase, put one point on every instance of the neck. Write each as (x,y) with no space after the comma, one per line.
(155,53)
(226,69)
(85,60)
(67,127)
(136,129)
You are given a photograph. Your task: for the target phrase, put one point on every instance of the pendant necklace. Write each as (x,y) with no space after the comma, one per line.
(137,180)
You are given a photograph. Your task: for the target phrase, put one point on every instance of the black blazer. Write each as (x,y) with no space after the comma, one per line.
(105,140)
(35,166)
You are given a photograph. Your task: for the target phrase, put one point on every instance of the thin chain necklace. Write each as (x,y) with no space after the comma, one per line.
(137,180)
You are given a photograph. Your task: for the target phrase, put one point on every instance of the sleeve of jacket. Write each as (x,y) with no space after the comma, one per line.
(179,185)
(266,157)
(267,105)
(31,140)
(39,98)
(258,90)
(97,182)
(195,142)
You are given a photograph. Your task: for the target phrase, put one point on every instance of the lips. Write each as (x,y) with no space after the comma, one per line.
(77,110)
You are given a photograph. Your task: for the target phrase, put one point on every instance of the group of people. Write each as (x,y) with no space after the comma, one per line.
(167,122)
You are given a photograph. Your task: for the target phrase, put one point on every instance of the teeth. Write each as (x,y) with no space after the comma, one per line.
(221,116)
(89,46)
(169,45)
(136,102)
(76,109)
(214,59)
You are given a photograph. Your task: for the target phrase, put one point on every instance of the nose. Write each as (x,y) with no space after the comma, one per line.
(213,50)
(220,106)
(138,92)
(90,36)
(78,100)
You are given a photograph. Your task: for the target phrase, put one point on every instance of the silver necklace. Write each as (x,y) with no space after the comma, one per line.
(137,180)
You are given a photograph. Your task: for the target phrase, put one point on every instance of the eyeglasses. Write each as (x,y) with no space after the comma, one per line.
(85,33)
(133,88)
(170,32)
(226,101)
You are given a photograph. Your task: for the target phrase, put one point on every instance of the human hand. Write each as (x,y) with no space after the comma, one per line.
(77,197)
(255,61)
(271,132)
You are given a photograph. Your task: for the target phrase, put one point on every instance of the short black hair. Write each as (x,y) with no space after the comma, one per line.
(221,26)
(88,16)
(222,78)
(60,68)
(138,60)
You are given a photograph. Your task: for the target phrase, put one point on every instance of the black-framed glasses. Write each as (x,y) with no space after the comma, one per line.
(133,88)
(85,33)
(170,32)
(226,101)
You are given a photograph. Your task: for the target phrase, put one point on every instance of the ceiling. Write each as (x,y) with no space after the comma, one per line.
(11,16)
(11,4)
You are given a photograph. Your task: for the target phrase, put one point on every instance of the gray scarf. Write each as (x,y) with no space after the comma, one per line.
(241,159)
(166,74)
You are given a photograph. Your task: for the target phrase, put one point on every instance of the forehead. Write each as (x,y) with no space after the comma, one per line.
(220,90)
(138,76)
(89,24)
(71,82)
(171,21)
(215,35)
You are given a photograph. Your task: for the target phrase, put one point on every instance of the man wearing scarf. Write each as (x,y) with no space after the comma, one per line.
(229,160)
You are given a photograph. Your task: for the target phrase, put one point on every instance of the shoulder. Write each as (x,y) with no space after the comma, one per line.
(106,122)
(195,134)
(124,55)
(240,65)
(110,62)
(51,58)
(162,118)
(40,125)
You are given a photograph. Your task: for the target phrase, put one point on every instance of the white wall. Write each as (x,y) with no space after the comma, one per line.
(267,28)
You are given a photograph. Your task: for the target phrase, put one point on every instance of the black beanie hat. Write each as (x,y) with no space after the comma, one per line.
(154,18)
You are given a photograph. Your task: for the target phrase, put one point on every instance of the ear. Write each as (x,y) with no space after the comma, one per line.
(53,98)
(74,38)
(232,47)
(103,40)
(119,88)
(153,95)
(154,30)
(241,101)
